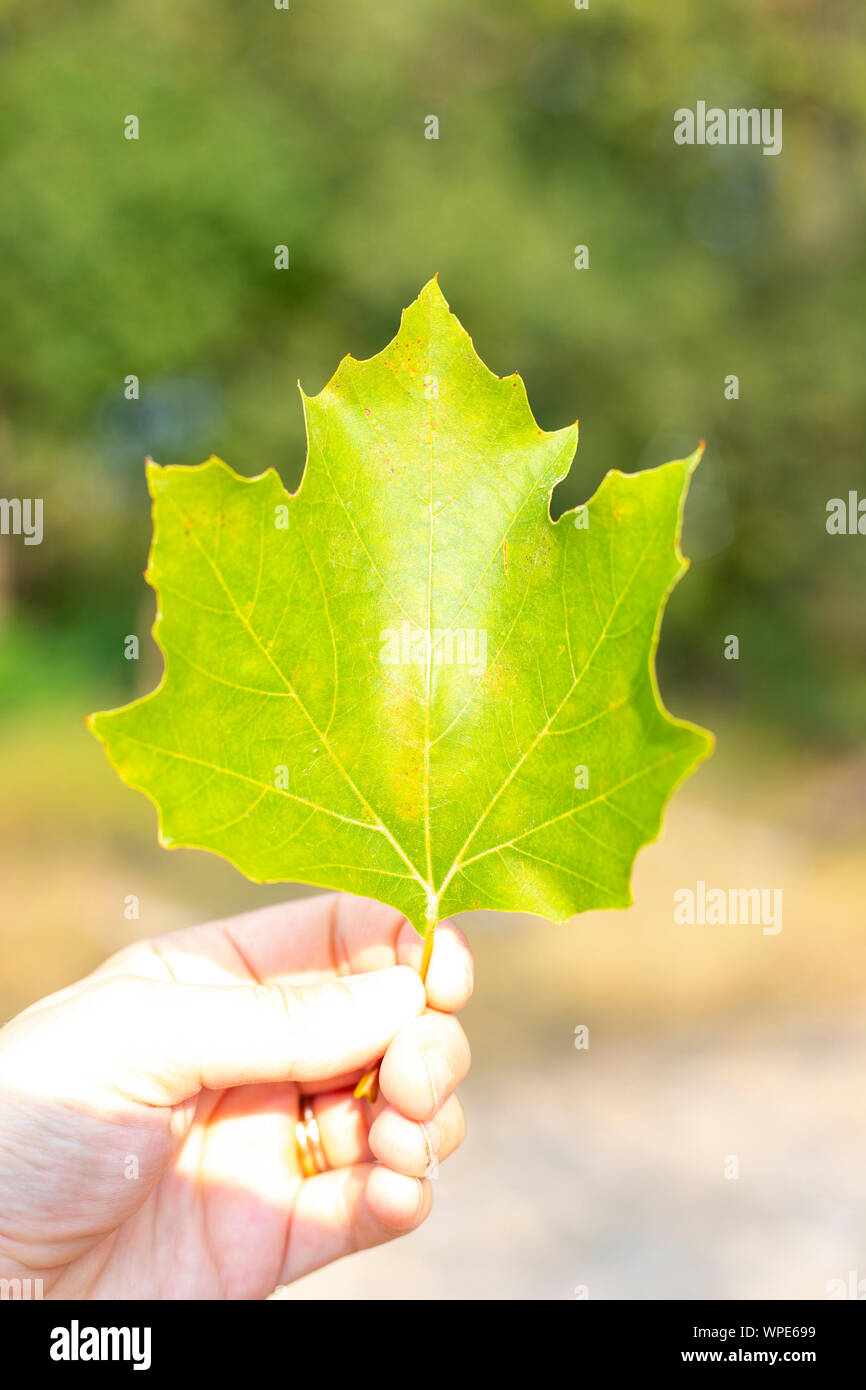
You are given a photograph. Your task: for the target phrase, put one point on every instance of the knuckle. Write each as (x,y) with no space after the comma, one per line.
(288,1009)
(285,1002)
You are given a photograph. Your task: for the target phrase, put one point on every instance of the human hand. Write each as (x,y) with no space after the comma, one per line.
(148,1113)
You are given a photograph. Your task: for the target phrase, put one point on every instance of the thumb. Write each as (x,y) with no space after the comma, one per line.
(161,1042)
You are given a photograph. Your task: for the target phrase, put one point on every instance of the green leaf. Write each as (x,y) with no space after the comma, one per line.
(389,682)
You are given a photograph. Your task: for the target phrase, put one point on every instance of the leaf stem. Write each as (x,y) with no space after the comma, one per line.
(368,1087)
(428,951)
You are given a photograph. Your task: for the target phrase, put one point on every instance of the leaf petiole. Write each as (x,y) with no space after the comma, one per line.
(368,1087)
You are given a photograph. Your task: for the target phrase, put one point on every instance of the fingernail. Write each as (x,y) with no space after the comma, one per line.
(439,1075)
(433,1141)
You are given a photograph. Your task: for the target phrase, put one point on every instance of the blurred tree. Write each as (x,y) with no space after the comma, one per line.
(306,127)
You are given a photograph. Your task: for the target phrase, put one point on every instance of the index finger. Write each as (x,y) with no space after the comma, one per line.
(310,939)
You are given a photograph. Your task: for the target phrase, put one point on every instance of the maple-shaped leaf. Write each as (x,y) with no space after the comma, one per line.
(405,681)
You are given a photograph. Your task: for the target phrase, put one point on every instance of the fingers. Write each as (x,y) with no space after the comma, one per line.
(352,1209)
(343,1123)
(294,1032)
(350,1132)
(418,1122)
(159,1043)
(415,1148)
(312,939)
(423,1064)
(450,976)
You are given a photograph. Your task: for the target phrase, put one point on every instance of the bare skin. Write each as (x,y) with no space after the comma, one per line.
(147,1113)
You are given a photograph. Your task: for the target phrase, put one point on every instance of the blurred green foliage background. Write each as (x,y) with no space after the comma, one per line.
(306,127)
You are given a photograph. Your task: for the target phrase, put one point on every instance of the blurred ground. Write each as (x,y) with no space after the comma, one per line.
(606,1169)
(602,1167)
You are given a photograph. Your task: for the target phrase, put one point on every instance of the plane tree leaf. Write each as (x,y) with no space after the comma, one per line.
(405,680)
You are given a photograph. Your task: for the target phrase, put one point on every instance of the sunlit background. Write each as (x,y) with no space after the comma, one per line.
(600,1169)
